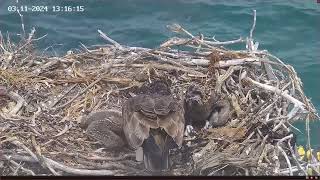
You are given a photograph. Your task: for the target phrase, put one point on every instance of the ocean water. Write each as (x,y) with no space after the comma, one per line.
(287,28)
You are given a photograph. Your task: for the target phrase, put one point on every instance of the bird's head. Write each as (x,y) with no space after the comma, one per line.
(155,87)
(194,96)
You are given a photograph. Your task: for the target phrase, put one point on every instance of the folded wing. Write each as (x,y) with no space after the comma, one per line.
(144,112)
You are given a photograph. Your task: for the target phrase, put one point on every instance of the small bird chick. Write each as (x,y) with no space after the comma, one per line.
(105,127)
(220,113)
(199,114)
(196,111)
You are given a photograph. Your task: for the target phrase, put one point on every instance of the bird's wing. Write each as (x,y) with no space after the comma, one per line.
(173,124)
(113,116)
(100,130)
(143,112)
(135,131)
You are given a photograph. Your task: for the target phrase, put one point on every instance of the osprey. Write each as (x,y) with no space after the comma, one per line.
(106,127)
(153,120)
(201,114)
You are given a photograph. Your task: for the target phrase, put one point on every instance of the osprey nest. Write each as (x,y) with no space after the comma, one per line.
(42,101)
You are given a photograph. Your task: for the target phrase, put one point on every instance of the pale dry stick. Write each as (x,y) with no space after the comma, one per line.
(10,46)
(66,128)
(249,137)
(223,64)
(293,75)
(217,43)
(254,23)
(28,171)
(4,116)
(284,94)
(31,34)
(51,47)
(264,150)
(174,41)
(212,173)
(115,43)
(275,158)
(283,152)
(274,57)
(296,168)
(293,154)
(19,144)
(79,171)
(161,67)
(201,40)
(251,46)
(166,60)
(285,127)
(41,158)
(109,165)
(45,66)
(15,171)
(270,73)
(99,158)
(294,127)
(63,167)
(28,42)
(35,131)
(84,47)
(224,77)
(287,160)
(279,125)
(83,91)
(236,105)
(308,133)
(298,85)
(22,23)
(20,102)
(180,41)
(60,96)
(177,28)
(167,54)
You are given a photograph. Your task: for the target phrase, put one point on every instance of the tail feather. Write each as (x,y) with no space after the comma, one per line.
(156,162)
(155,155)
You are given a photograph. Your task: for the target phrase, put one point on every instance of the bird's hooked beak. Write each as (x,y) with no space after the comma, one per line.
(196,99)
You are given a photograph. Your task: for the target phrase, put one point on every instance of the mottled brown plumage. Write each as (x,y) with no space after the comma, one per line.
(221,113)
(154,120)
(198,111)
(105,127)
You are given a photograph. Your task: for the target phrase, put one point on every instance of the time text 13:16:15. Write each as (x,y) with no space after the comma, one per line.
(46,8)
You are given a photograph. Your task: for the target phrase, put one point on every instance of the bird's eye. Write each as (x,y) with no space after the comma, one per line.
(197,92)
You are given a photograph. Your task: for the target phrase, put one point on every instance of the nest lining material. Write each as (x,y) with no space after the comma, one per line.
(43,99)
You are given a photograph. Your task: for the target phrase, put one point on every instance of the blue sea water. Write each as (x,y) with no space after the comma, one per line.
(287,28)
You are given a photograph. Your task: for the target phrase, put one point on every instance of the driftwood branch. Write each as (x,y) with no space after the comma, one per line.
(61,167)
(104,36)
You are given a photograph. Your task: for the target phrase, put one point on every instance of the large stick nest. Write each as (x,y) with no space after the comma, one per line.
(43,99)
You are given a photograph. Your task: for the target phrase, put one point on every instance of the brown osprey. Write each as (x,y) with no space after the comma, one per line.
(106,127)
(154,120)
(201,114)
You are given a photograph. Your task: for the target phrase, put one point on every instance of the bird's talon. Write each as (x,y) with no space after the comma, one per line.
(207,126)
(189,130)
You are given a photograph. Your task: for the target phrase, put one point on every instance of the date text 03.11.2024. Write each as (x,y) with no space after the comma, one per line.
(46,8)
